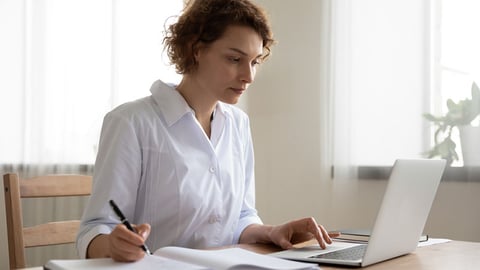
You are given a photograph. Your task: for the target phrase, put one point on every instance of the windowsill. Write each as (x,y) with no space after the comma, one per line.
(451,174)
(36,169)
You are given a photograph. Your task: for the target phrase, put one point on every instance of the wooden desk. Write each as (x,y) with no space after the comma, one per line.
(451,255)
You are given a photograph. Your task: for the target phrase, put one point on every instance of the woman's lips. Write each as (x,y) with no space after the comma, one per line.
(238,90)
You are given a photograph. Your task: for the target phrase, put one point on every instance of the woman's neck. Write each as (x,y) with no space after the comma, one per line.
(198,101)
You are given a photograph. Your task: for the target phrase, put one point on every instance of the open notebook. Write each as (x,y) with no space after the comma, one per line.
(399,224)
(188,259)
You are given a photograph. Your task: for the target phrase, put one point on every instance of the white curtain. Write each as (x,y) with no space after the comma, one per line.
(64,64)
(380,82)
(391,62)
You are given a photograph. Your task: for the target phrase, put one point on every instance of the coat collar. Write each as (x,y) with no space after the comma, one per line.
(172,104)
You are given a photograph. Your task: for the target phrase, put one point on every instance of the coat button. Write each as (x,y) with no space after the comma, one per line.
(212,219)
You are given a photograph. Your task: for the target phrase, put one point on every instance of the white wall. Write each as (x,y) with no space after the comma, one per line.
(284,105)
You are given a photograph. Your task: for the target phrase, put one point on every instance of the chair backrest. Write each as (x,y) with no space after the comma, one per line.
(52,233)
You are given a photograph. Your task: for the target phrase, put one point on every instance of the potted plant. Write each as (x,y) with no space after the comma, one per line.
(460,115)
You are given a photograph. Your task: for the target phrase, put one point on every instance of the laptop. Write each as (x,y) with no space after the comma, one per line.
(400,221)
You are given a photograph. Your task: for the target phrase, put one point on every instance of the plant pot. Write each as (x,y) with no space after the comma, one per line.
(470,142)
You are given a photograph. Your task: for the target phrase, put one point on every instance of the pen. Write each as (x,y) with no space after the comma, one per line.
(124,220)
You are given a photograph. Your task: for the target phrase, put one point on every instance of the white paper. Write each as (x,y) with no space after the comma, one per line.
(188,259)
(433,241)
(148,262)
(232,258)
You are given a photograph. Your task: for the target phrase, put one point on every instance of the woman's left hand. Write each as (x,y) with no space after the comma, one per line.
(288,234)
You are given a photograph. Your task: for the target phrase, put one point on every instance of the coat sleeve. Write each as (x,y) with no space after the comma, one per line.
(248,213)
(116,176)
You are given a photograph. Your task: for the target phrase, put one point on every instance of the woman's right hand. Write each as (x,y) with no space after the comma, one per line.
(121,244)
(125,245)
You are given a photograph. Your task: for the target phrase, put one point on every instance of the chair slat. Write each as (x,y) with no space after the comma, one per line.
(53,233)
(56,186)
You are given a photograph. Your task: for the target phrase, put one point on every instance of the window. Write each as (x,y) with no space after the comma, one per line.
(68,63)
(380,81)
(393,61)
(457,58)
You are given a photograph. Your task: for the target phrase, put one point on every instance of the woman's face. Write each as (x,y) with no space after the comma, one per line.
(227,66)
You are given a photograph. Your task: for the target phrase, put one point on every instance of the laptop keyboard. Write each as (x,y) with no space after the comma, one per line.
(353,253)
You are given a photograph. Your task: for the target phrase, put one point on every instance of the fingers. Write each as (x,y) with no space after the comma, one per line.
(304,229)
(125,244)
(285,244)
(319,233)
(334,234)
(143,230)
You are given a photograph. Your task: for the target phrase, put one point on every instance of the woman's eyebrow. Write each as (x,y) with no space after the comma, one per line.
(242,52)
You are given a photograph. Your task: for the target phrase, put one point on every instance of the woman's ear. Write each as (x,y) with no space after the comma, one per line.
(197,48)
(197,51)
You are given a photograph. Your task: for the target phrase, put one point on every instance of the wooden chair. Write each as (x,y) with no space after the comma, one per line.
(52,233)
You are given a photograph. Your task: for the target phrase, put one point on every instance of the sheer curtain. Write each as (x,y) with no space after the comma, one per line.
(64,64)
(380,82)
(70,62)
(457,58)
(391,62)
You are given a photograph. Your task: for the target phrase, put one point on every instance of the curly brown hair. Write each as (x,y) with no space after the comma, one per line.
(205,21)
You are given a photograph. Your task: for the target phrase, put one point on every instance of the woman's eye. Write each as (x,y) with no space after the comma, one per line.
(234,59)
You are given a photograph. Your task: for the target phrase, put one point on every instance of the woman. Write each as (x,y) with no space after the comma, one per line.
(179,163)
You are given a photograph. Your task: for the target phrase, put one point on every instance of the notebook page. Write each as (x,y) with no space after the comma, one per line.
(148,262)
(231,258)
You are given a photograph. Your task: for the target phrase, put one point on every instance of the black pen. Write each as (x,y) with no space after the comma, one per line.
(125,222)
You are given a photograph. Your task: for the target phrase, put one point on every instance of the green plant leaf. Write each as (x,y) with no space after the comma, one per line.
(451,105)
(431,117)
(461,113)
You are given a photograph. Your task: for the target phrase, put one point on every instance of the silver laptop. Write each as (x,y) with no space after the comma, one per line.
(400,221)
